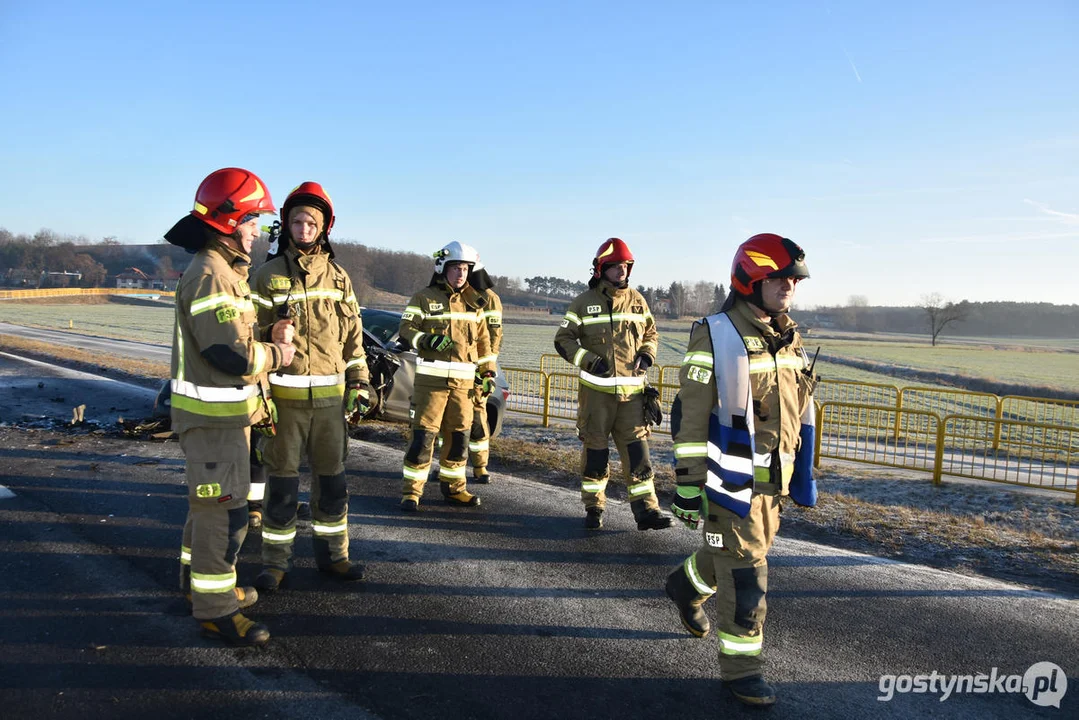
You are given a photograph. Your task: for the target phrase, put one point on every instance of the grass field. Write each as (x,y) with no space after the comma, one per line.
(1016,361)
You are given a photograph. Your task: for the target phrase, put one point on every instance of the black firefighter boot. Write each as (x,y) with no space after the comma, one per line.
(649,519)
(461,498)
(593,518)
(343,570)
(684,596)
(753,691)
(236,630)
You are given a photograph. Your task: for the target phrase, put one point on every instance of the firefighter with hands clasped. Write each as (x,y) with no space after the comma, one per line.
(218,391)
(743,426)
(455,367)
(301,290)
(609,333)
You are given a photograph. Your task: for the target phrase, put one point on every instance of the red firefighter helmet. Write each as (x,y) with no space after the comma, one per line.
(309,193)
(228,195)
(766,256)
(613,250)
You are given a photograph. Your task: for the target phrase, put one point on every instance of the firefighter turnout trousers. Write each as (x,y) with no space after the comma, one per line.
(733,565)
(434,409)
(320,434)
(479,439)
(603,415)
(217,469)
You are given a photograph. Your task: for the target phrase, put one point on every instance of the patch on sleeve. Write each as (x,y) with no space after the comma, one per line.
(280,282)
(565,323)
(243,288)
(699,374)
(227,314)
(406,316)
(714,539)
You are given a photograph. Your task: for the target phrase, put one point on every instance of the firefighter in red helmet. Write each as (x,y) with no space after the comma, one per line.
(744,430)
(326,382)
(218,391)
(609,333)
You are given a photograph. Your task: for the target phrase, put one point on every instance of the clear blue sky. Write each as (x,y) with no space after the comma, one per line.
(910,148)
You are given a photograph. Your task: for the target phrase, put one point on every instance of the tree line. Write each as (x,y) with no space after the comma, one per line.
(46,259)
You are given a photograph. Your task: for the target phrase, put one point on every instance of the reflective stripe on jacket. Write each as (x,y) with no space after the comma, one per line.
(317,294)
(215,325)
(437,310)
(742,410)
(612,323)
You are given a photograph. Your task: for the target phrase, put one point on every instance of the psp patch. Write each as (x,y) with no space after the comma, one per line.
(565,323)
(699,374)
(593,309)
(243,288)
(407,316)
(714,539)
(208,490)
(435,307)
(753,343)
(227,314)
(280,282)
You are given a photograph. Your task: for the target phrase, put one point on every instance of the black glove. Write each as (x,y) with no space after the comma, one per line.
(642,362)
(653,413)
(599,366)
(438,343)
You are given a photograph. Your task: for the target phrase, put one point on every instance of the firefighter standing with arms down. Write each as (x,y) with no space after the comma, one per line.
(609,333)
(327,380)
(479,440)
(743,426)
(455,365)
(217,392)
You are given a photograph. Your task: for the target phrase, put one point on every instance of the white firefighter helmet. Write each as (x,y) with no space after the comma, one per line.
(457,252)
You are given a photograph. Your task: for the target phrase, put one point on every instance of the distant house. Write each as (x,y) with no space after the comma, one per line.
(135,279)
(21,278)
(662,306)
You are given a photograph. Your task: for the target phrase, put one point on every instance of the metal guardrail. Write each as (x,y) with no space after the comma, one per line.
(68,292)
(1032,454)
(941,431)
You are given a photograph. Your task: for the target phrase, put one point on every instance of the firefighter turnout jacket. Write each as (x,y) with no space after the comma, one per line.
(492,315)
(744,421)
(614,324)
(317,294)
(458,315)
(217,358)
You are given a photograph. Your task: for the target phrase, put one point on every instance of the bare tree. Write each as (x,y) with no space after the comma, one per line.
(942,313)
(678,299)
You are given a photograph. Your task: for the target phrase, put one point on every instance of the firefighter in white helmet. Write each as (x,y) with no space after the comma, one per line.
(445,325)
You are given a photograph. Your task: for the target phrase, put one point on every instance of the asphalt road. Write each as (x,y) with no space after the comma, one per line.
(126,348)
(510,610)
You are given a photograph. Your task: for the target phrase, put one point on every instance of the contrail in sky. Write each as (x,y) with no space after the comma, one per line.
(852,65)
(1070,217)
